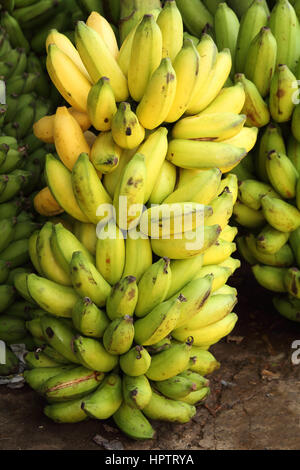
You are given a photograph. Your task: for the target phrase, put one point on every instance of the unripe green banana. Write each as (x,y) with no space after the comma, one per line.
(171,362)
(137,391)
(7,227)
(60,337)
(226,25)
(66,412)
(254,18)
(195,377)
(282,174)
(270,240)
(164,409)
(88,319)
(202,362)
(11,365)
(288,307)
(283,91)
(282,259)
(101,105)
(35,329)
(71,384)
(294,124)
(195,16)
(194,398)
(118,336)
(159,277)
(280,214)
(176,387)
(122,299)
(244,250)
(14,31)
(87,281)
(292,282)
(133,423)
(135,362)
(270,277)
(37,358)
(247,217)
(160,346)
(261,60)
(158,323)
(106,400)
(255,108)
(38,376)
(7,296)
(4,272)
(92,355)
(285,27)
(271,139)
(54,355)
(251,191)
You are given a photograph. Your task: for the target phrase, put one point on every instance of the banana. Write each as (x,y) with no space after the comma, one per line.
(158,97)
(39,359)
(254,18)
(111,180)
(136,391)
(165,183)
(24,83)
(216,80)
(88,319)
(298,193)
(99,23)
(122,299)
(135,362)
(280,214)
(16,253)
(192,154)
(210,334)
(136,265)
(11,366)
(92,355)
(282,259)
(202,362)
(20,283)
(282,174)
(87,281)
(165,409)
(159,277)
(67,78)
(271,139)
(89,192)
(288,307)
(7,228)
(154,149)
(211,127)
(294,243)
(47,293)
(229,233)
(160,346)
(37,377)
(187,59)
(106,400)
(146,55)
(282,92)
(200,188)
(158,323)
(222,209)
(246,138)
(255,108)
(271,278)
(229,100)
(196,378)
(247,217)
(183,271)
(220,275)
(99,61)
(8,296)
(284,25)
(69,139)
(295,123)
(59,181)
(261,60)
(171,362)
(126,130)
(244,250)
(14,31)
(195,15)
(101,105)
(176,387)
(133,423)
(4,272)
(45,204)
(226,27)
(130,193)
(66,412)
(59,335)
(291,282)
(170,23)
(131,14)
(86,234)
(118,336)
(270,240)
(12,329)
(214,310)
(218,252)
(110,253)
(197,396)
(226,290)
(251,191)
(105,153)
(35,329)
(32,250)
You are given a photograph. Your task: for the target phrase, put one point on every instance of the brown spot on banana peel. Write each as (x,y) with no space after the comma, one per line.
(131,294)
(139,350)
(49,332)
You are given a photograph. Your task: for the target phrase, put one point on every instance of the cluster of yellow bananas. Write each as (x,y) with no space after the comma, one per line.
(127,291)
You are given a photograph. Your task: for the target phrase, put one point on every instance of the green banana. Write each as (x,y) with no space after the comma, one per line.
(88,319)
(251,191)
(160,346)
(183,271)
(59,336)
(123,298)
(137,391)
(271,139)
(37,358)
(287,307)
(11,365)
(176,387)
(38,376)
(270,240)
(164,409)
(7,227)
(291,282)
(171,362)
(118,336)
(14,31)
(195,16)
(282,258)
(106,400)
(66,412)
(12,329)
(226,27)
(247,217)
(294,243)
(271,278)
(197,396)
(255,108)
(282,174)
(283,90)
(133,423)
(202,362)
(135,362)
(280,214)
(92,355)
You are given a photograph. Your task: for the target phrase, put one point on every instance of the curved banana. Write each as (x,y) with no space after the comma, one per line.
(88,319)
(226,26)
(270,277)
(280,214)
(105,153)
(101,105)
(283,87)
(270,240)
(135,362)
(118,336)
(133,423)
(137,391)
(202,362)
(126,129)
(170,23)
(255,108)
(251,191)
(282,174)
(92,355)
(246,138)
(110,253)
(122,298)
(171,362)
(105,31)
(229,100)
(271,139)
(165,183)
(135,264)
(282,259)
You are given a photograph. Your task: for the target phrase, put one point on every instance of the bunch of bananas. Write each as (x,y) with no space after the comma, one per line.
(126,300)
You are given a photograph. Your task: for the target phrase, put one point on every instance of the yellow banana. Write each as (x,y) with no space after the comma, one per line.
(105,31)
(246,138)
(280,214)
(228,233)
(92,355)
(87,235)
(68,138)
(231,263)
(32,250)
(99,61)
(283,88)
(201,187)
(165,183)
(111,180)
(105,153)
(222,210)
(158,97)
(171,25)
(89,192)
(67,78)
(45,204)
(231,182)
(218,252)
(101,104)
(229,100)
(187,59)
(66,46)
(183,271)
(126,130)
(110,253)
(171,362)
(247,217)
(135,264)
(122,298)
(255,108)
(146,55)
(88,319)
(220,274)
(118,336)
(59,181)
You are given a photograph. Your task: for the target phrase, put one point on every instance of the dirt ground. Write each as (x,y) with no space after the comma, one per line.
(254,402)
